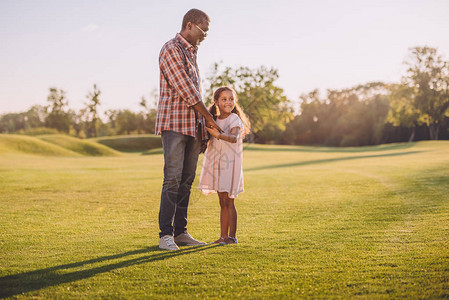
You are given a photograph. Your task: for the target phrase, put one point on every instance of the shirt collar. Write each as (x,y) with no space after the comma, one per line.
(186,44)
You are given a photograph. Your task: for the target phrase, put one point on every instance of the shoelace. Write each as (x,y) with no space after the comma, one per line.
(169,241)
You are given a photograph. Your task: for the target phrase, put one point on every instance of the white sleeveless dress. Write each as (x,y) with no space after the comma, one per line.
(222,166)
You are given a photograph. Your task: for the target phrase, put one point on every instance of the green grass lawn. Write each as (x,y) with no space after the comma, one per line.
(369,222)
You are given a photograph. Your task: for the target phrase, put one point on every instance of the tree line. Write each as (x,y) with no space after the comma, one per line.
(417,108)
(56,116)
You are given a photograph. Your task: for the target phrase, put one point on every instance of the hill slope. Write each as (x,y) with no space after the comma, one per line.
(11,143)
(83,147)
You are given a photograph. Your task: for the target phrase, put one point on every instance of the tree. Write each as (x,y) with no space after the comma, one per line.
(304,128)
(147,121)
(428,77)
(111,114)
(348,117)
(35,116)
(93,119)
(79,122)
(57,116)
(402,112)
(262,101)
(14,122)
(127,121)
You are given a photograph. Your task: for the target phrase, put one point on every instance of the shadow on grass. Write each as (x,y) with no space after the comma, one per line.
(322,161)
(16,284)
(385,147)
(263,148)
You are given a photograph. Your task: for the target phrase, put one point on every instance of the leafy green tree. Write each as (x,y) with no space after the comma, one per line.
(428,76)
(402,112)
(78,120)
(127,121)
(18,122)
(93,120)
(57,115)
(348,117)
(111,114)
(35,116)
(304,128)
(147,122)
(12,122)
(262,101)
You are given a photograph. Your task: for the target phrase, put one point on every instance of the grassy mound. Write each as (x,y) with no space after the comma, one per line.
(87,148)
(131,143)
(11,143)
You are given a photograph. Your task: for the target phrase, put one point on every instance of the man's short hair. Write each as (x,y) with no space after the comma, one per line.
(194,16)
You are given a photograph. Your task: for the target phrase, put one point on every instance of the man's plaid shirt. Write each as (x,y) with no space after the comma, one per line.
(179,88)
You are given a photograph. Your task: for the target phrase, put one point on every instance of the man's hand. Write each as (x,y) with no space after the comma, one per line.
(213,132)
(212,124)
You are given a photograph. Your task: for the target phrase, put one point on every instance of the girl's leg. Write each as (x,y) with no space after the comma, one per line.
(224,219)
(232,216)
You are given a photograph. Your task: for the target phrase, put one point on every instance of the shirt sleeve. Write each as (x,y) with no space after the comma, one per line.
(173,68)
(236,122)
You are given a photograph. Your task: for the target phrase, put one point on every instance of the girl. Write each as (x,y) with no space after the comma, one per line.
(222,166)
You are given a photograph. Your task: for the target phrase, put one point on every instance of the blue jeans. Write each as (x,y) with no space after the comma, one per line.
(181,157)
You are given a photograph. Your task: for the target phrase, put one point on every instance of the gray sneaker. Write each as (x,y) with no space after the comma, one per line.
(187,240)
(167,243)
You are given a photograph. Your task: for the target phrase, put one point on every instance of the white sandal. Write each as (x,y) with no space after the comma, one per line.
(220,241)
(232,239)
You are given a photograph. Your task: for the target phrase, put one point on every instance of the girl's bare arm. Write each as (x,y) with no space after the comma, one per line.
(231,137)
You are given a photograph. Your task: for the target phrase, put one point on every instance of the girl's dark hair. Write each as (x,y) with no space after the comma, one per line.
(237,109)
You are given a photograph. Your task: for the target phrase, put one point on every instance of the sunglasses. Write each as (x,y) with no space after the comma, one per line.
(202,31)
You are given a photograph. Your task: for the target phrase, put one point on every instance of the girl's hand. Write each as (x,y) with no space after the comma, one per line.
(214,132)
(212,124)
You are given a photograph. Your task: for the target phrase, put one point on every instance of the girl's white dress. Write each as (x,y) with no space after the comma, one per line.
(222,166)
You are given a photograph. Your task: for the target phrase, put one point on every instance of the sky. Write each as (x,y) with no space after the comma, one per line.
(322,44)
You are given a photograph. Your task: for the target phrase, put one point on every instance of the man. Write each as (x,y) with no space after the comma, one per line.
(181,120)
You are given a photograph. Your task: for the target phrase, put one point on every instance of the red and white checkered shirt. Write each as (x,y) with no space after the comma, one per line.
(179,88)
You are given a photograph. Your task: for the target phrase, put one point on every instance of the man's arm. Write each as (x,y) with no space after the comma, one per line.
(172,66)
(210,122)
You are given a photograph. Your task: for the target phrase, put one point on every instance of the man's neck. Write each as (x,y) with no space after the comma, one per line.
(185,36)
